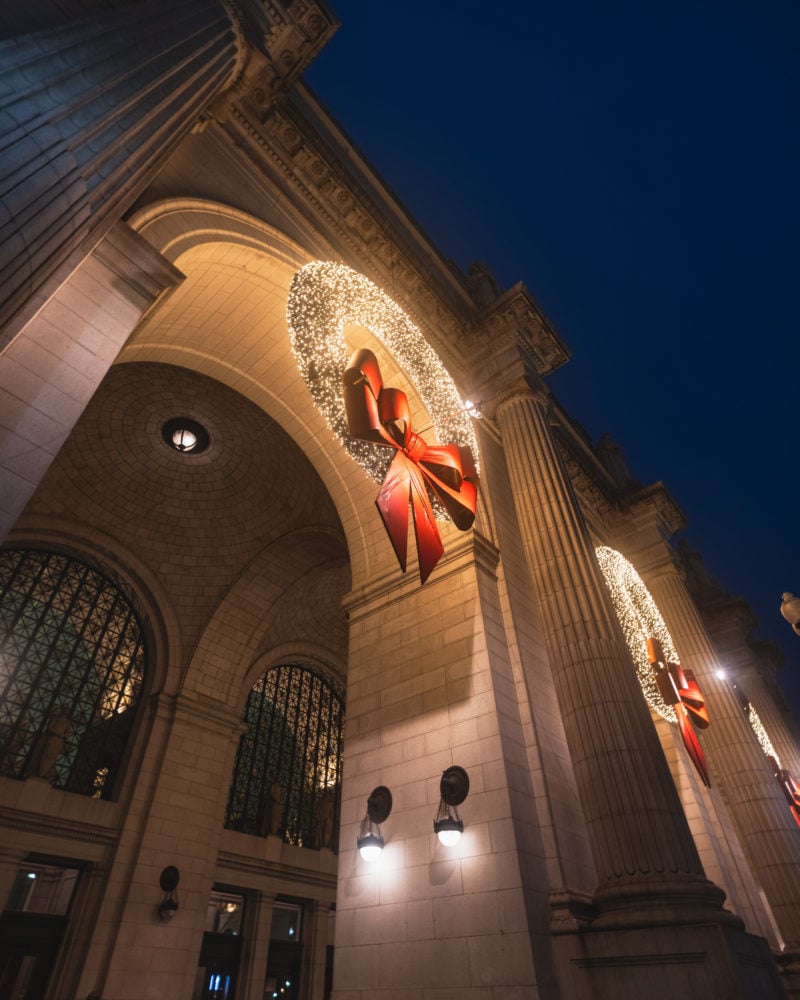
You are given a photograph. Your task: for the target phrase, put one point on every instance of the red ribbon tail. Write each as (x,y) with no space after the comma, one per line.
(694,701)
(392,504)
(692,745)
(429,542)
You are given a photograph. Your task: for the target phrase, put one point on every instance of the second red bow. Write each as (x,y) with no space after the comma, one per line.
(679,689)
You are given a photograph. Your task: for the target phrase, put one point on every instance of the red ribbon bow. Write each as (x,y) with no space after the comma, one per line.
(679,688)
(790,789)
(383,416)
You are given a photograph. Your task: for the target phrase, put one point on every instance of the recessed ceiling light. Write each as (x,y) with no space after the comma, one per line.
(185,435)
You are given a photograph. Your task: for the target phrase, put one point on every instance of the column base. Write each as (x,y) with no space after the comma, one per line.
(789,964)
(570,911)
(658,902)
(711,960)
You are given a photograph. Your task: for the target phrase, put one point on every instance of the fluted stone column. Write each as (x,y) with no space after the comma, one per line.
(88,111)
(642,845)
(767,830)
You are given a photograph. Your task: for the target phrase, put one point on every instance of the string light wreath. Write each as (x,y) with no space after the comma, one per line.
(325,298)
(639,619)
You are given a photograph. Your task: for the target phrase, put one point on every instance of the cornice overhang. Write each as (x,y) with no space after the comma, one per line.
(288,136)
(294,143)
(287,35)
(591,481)
(655,501)
(517,310)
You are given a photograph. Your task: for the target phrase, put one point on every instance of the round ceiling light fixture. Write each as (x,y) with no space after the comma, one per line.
(185,435)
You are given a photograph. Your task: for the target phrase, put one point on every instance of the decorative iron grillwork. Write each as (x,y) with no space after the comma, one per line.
(71,667)
(286,779)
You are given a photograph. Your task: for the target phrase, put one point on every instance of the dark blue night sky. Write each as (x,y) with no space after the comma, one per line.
(637,166)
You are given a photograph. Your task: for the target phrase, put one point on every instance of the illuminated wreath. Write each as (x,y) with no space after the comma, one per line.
(326,297)
(640,619)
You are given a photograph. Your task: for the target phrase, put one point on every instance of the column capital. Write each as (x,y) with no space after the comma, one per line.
(513,347)
(507,374)
(516,312)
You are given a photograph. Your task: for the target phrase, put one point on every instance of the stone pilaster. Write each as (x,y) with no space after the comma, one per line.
(316,945)
(178,820)
(643,849)
(11,860)
(89,112)
(57,360)
(260,930)
(768,833)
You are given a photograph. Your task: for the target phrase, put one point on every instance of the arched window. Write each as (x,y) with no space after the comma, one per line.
(286,780)
(71,666)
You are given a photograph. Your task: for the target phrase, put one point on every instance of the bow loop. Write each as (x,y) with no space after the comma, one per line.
(395,415)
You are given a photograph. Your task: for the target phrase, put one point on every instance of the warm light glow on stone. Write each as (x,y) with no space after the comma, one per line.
(324,299)
(640,620)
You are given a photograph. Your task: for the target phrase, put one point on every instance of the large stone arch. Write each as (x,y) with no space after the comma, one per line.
(228,529)
(227,320)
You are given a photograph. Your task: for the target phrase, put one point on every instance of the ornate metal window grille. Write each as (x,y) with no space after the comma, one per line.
(288,766)
(71,667)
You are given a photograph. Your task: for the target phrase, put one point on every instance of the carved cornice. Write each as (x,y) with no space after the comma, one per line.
(287,35)
(516,310)
(277,870)
(593,484)
(655,504)
(282,142)
(593,501)
(290,137)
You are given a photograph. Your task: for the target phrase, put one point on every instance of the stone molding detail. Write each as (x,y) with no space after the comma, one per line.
(57,827)
(289,35)
(591,498)
(278,870)
(517,310)
(655,501)
(281,140)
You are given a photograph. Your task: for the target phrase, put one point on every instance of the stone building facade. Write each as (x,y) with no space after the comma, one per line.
(186,631)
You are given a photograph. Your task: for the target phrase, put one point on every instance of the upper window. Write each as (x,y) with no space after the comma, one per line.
(71,667)
(288,765)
